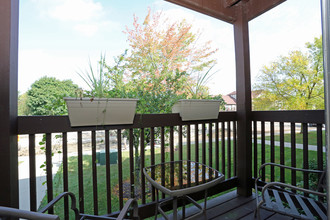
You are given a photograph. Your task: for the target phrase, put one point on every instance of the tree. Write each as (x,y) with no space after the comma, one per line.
(22,104)
(162,60)
(158,67)
(293,82)
(46,96)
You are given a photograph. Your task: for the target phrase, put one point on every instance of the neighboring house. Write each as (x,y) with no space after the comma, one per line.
(230,102)
(230,99)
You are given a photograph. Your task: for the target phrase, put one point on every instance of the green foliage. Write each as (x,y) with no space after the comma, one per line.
(22,104)
(46,96)
(293,82)
(97,81)
(198,88)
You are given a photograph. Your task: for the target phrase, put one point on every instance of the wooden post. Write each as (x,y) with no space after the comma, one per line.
(243,92)
(8,103)
(325,5)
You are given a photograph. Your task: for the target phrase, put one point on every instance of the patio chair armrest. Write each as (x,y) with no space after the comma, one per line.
(58,198)
(275,184)
(17,213)
(287,167)
(124,211)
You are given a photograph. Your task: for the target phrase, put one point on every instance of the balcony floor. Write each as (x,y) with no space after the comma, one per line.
(232,206)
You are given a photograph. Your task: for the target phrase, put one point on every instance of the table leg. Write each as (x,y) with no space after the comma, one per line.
(157,204)
(184,208)
(175,208)
(205,200)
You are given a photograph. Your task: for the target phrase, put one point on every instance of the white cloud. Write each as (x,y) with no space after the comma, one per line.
(36,63)
(76,10)
(87,17)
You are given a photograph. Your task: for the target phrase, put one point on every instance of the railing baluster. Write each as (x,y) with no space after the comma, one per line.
(293,153)
(162,155)
(80,173)
(272,150)
(263,149)
(172,155)
(143,185)
(180,143)
(229,162)
(305,154)
(203,149)
(217,151)
(189,150)
(49,170)
(319,147)
(210,145)
(203,143)
(120,169)
(319,152)
(234,147)
(282,156)
(196,143)
(223,149)
(65,173)
(94,173)
(152,159)
(33,185)
(255,149)
(107,169)
(196,153)
(180,156)
(131,161)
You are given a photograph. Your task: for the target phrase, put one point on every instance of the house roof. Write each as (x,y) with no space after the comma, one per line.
(229,100)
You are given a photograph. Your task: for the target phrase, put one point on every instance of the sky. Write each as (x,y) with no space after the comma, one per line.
(57,38)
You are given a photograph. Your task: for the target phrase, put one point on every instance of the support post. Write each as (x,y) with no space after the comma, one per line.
(243,93)
(8,103)
(325,6)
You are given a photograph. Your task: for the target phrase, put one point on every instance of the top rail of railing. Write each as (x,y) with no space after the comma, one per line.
(53,124)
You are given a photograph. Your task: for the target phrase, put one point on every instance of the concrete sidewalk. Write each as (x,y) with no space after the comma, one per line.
(24,179)
(287,144)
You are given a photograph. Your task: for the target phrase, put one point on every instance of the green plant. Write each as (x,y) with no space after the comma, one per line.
(97,81)
(198,89)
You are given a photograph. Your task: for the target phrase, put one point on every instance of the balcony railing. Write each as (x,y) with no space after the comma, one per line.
(197,141)
(161,138)
(292,138)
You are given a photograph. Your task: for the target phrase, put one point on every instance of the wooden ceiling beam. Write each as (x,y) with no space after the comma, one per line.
(254,8)
(226,10)
(214,8)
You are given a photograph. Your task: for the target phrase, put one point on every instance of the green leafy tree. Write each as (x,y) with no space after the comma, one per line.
(293,82)
(22,104)
(46,96)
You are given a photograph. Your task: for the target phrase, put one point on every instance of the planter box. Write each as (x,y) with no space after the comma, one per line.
(100,111)
(197,109)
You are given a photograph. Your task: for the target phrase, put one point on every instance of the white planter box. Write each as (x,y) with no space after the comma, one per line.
(197,109)
(100,111)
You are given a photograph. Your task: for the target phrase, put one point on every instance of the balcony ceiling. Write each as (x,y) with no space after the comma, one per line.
(227,10)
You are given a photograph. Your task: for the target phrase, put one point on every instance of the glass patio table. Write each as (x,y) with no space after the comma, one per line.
(177,179)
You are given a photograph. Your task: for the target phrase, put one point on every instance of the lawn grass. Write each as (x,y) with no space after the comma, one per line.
(312,138)
(101,174)
(312,158)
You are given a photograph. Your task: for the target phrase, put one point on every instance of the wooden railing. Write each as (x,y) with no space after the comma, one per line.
(292,138)
(164,137)
(211,142)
